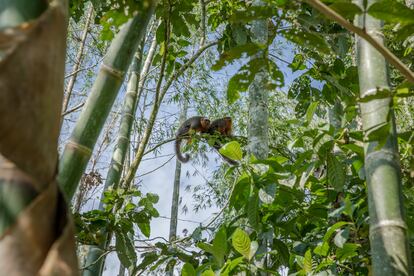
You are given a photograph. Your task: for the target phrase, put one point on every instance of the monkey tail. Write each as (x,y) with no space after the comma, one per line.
(183,159)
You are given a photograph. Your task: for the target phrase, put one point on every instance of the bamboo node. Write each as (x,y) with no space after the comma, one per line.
(114,72)
(81,148)
(387,223)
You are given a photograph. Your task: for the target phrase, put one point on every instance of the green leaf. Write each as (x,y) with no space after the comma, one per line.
(241,243)
(220,245)
(235,53)
(341,237)
(282,250)
(252,210)
(254,245)
(206,247)
(332,229)
(188,270)
(307,262)
(392,11)
(145,229)
(322,249)
(348,251)
(208,273)
(309,40)
(346,9)
(232,150)
(336,172)
(232,265)
(125,250)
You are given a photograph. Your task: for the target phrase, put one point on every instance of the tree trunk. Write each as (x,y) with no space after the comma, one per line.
(104,91)
(258,96)
(36,233)
(177,182)
(388,231)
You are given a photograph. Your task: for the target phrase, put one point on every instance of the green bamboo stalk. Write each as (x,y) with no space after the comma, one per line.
(104,91)
(94,261)
(388,230)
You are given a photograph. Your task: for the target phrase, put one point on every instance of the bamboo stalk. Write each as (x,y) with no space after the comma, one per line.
(79,148)
(388,230)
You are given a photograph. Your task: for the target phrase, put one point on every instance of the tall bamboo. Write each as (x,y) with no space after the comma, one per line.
(95,262)
(104,91)
(388,230)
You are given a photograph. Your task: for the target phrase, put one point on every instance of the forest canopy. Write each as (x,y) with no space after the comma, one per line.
(200,137)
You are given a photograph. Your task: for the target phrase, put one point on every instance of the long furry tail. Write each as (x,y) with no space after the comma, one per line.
(183,159)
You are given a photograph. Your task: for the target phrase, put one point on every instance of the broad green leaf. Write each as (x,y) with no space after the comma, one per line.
(230,266)
(147,259)
(332,229)
(220,245)
(252,209)
(208,273)
(336,172)
(232,150)
(235,53)
(309,40)
(125,249)
(145,229)
(206,247)
(241,242)
(188,270)
(311,111)
(254,245)
(392,11)
(322,249)
(282,251)
(341,237)
(348,251)
(346,9)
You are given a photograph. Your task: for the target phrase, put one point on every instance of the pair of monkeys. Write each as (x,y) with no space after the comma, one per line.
(202,124)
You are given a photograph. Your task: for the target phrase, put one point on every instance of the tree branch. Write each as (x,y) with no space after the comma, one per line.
(387,54)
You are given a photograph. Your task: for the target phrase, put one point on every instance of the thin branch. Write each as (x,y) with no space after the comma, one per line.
(387,54)
(203,22)
(162,165)
(73,109)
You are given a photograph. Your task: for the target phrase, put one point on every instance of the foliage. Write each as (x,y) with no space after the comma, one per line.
(123,210)
(304,208)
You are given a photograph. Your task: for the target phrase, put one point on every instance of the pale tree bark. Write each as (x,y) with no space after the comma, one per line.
(388,230)
(258,96)
(36,232)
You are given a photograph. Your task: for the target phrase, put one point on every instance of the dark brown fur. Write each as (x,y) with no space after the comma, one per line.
(197,124)
(222,127)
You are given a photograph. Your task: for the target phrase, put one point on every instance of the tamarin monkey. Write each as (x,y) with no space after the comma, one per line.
(197,124)
(222,127)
